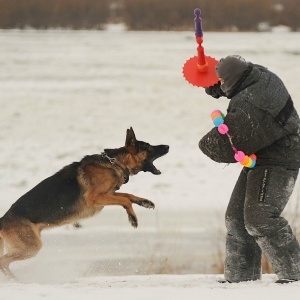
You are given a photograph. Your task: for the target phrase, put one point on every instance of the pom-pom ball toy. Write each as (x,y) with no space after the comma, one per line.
(240,156)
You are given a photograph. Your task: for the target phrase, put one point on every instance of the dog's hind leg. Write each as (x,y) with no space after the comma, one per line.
(137,200)
(22,242)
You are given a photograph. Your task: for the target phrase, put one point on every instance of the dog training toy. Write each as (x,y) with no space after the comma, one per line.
(200,70)
(240,156)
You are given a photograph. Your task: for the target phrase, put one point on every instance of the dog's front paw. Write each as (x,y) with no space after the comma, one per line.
(147,204)
(144,203)
(133,221)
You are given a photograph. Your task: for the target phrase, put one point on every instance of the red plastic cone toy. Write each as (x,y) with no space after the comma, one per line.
(200,70)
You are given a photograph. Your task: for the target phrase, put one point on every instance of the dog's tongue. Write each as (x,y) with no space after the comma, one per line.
(149,167)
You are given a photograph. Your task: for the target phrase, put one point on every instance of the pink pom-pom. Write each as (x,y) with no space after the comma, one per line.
(223,128)
(239,156)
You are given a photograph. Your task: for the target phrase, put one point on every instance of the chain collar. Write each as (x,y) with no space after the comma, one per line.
(117,164)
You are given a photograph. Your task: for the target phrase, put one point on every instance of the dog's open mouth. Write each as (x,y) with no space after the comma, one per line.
(160,151)
(149,167)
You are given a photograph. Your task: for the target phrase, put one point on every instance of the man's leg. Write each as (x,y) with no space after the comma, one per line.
(243,255)
(268,192)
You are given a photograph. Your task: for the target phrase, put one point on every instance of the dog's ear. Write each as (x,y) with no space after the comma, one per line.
(130,141)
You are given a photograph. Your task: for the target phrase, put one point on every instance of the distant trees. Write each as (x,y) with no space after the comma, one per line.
(239,15)
(244,15)
(217,15)
(288,15)
(158,14)
(73,14)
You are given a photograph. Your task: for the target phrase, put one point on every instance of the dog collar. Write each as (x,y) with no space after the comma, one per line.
(116,163)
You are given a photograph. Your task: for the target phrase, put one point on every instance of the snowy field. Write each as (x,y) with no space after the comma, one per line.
(65,94)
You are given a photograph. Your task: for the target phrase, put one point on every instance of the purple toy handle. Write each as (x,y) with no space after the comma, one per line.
(198,23)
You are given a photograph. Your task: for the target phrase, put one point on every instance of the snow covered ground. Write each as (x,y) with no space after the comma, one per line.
(175,287)
(65,94)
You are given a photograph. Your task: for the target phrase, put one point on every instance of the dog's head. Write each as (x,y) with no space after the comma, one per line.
(137,155)
(145,152)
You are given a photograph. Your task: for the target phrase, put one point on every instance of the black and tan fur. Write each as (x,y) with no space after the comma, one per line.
(77,191)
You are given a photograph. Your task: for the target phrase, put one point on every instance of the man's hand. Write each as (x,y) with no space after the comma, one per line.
(215,91)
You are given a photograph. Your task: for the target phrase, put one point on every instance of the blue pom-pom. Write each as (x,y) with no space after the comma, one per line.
(218,121)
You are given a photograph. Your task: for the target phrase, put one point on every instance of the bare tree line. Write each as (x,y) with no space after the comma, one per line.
(75,14)
(244,15)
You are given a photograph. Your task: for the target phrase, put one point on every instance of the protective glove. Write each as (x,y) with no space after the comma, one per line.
(215,90)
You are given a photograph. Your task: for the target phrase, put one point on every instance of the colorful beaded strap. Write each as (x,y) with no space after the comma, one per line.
(240,156)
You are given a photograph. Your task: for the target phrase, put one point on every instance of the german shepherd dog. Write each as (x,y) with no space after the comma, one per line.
(77,191)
